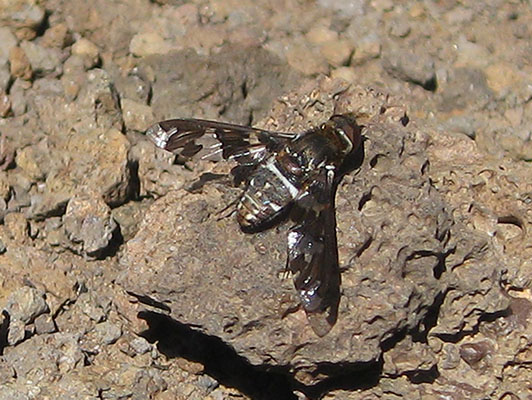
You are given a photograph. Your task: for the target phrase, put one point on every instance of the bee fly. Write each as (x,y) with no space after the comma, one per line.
(283,173)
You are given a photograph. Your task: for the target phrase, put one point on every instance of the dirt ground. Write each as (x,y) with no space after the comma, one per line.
(118,281)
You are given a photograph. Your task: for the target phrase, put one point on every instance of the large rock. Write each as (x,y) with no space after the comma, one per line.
(395,234)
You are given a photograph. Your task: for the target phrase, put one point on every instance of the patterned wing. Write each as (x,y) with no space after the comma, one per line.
(197,138)
(313,253)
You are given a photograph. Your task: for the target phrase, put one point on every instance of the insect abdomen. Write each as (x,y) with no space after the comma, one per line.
(268,193)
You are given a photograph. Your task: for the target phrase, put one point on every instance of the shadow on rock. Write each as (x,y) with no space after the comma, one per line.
(222,363)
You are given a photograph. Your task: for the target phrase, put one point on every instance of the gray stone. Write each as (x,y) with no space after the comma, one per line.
(88,222)
(11,393)
(7,42)
(411,66)
(88,51)
(205,83)
(5,76)
(26,14)
(134,87)
(140,345)
(90,307)
(207,383)
(215,278)
(25,304)
(148,43)
(102,168)
(137,116)
(17,96)
(463,332)
(43,60)
(16,333)
(108,332)
(44,324)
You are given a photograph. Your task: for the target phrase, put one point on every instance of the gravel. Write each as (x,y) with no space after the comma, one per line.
(117,281)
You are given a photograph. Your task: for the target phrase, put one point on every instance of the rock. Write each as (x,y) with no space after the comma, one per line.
(337,52)
(383,5)
(459,15)
(346,73)
(89,223)
(12,393)
(57,352)
(18,97)
(5,76)
(473,353)
(44,324)
(43,60)
(60,288)
(7,373)
(206,39)
(93,307)
(207,383)
(55,232)
(107,332)
(502,76)
(137,116)
(26,304)
(463,86)
(410,66)
(35,161)
(128,217)
(464,333)
(451,356)
(24,16)
(74,77)
(8,41)
(471,55)
(16,333)
(100,97)
(321,34)
(206,83)
(148,383)
(4,185)
(74,65)
(20,65)
(349,9)
(56,36)
(16,227)
(145,44)
(101,159)
(368,48)
(400,27)
(229,289)
(408,358)
(5,104)
(88,51)
(140,345)
(157,172)
(305,59)
(134,87)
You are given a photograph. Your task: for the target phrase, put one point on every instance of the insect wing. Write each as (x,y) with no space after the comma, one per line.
(196,138)
(313,254)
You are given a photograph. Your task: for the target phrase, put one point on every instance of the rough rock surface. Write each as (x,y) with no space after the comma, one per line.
(393,236)
(433,226)
(400,248)
(89,224)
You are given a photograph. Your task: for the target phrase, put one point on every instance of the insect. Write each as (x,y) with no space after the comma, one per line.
(284,174)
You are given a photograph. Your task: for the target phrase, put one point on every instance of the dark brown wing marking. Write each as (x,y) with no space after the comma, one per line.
(313,254)
(196,138)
